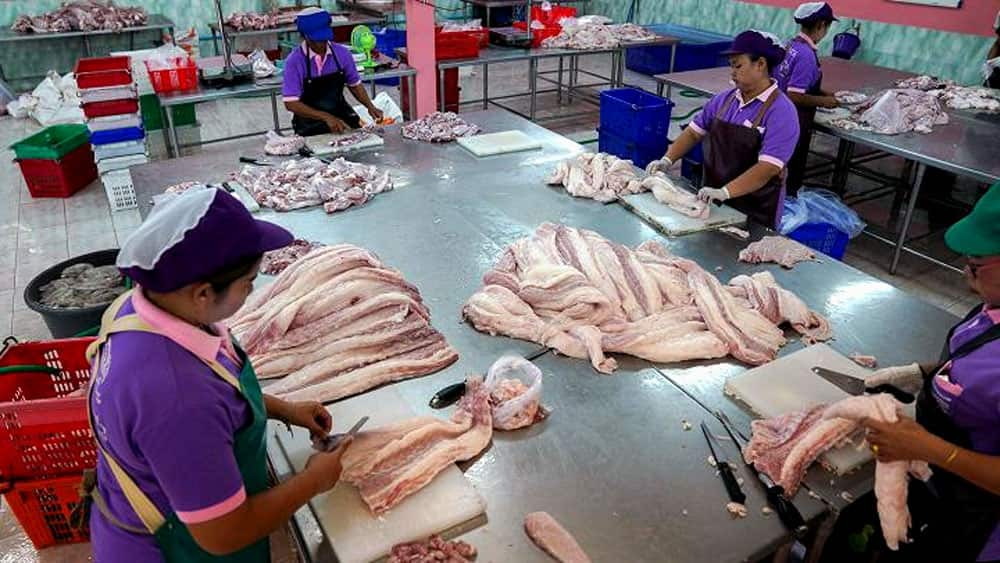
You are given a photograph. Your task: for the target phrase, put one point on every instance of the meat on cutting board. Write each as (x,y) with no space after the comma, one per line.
(601,177)
(391,463)
(549,535)
(780,250)
(432,550)
(865,360)
(675,197)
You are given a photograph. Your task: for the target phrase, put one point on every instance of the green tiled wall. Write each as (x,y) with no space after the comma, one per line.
(949,55)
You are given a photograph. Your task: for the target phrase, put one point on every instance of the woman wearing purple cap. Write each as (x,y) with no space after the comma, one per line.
(801,77)
(750,133)
(314,78)
(175,405)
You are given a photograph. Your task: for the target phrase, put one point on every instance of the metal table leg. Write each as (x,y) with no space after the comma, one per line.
(174,147)
(905,229)
(659,89)
(559,82)
(373,88)
(843,163)
(533,86)
(486,86)
(131,41)
(215,43)
(412,87)
(572,77)
(274,111)
(441,89)
(86,45)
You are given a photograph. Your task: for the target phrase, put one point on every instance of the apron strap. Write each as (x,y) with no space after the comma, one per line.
(763,110)
(725,107)
(150,516)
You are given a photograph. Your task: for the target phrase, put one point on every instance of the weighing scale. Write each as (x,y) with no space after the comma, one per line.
(228,73)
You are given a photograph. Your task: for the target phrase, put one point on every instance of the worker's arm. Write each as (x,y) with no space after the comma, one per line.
(687,140)
(810,101)
(753,179)
(261,514)
(362,96)
(310,415)
(995,49)
(300,109)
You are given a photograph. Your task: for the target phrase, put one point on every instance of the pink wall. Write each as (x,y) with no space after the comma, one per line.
(973,17)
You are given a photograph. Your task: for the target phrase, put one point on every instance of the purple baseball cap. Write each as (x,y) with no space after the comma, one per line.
(810,12)
(758,44)
(192,236)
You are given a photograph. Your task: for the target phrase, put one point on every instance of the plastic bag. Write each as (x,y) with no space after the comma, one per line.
(814,205)
(515,387)
(262,66)
(165,56)
(382,101)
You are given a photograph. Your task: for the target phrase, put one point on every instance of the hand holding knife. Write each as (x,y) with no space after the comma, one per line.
(331,442)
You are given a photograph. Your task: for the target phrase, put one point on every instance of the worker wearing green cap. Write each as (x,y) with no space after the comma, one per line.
(955,515)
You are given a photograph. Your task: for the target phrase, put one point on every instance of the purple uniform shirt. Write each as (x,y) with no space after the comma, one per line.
(969,391)
(780,125)
(170,422)
(800,71)
(295,68)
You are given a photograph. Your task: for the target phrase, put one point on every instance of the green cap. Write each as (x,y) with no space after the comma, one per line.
(978,234)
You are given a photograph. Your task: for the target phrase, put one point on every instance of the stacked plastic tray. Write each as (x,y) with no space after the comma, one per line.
(110,98)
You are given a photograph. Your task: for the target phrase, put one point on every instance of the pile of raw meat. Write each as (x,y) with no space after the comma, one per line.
(780,250)
(392,462)
(601,177)
(352,139)
(896,111)
(849,98)
(954,96)
(83,285)
(246,21)
(277,144)
(337,322)
(277,261)
(82,15)
(439,127)
(583,295)
(785,446)
(307,182)
(590,36)
(923,82)
(432,550)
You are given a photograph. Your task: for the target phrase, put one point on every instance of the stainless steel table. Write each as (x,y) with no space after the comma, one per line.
(613,463)
(353,19)
(269,86)
(967,146)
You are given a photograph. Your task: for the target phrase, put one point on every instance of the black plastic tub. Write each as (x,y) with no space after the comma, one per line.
(64,323)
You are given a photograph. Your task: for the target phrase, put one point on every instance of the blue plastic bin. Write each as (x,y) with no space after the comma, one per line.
(387,40)
(636,116)
(698,49)
(116,135)
(691,165)
(639,153)
(823,238)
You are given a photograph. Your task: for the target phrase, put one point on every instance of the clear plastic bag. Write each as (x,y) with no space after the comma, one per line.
(814,205)
(515,387)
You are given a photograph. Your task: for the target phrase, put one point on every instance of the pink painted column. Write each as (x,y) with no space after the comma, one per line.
(420,53)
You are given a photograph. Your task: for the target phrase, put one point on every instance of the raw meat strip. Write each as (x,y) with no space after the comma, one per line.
(736,232)
(891,478)
(677,198)
(308,182)
(276,261)
(897,111)
(848,97)
(83,15)
(432,550)
(781,306)
(601,177)
(391,463)
(780,250)
(870,362)
(515,387)
(280,145)
(437,127)
(547,534)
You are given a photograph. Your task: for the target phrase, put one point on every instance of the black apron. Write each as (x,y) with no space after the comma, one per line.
(797,164)
(730,150)
(952,518)
(994,80)
(324,93)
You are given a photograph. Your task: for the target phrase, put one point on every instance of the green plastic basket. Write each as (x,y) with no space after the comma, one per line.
(51,143)
(152,113)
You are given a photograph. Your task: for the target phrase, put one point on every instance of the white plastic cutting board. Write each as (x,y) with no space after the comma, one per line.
(320,144)
(788,384)
(503,142)
(673,224)
(355,534)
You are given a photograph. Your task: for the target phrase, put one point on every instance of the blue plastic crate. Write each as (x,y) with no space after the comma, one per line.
(640,154)
(823,238)
(635,115)
(387,40)
(698,49)
(116,135)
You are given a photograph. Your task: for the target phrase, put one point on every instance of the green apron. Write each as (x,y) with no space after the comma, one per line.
(172,536)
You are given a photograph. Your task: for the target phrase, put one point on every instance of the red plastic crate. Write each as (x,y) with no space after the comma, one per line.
(456,45)
(44,508)
(112,107)
(481,35)
(100,72)
(181,77)
(539,35)
(59,178)
(552,17)
(44,433)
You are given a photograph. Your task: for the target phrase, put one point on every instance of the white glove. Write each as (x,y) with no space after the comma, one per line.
(661,165)
(713,194)
(909,378)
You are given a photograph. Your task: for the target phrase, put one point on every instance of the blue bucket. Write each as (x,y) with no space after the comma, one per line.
(845,45)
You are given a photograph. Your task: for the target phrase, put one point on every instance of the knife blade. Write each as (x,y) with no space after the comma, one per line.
(722,464)
(787,512)
(331,442)
(856,386)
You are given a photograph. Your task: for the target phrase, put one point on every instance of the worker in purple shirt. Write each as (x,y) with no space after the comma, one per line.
(956,516)
(315,75)
(801,77)
(749,132)
(174,403)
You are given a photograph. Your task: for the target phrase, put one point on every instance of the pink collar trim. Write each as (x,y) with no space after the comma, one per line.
(200,343)
(808,40)
(994,315)
(762,97)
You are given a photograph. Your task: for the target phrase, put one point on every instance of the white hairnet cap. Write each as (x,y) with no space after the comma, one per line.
(807,9)
(164,227)
(774,39)
(310,11)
